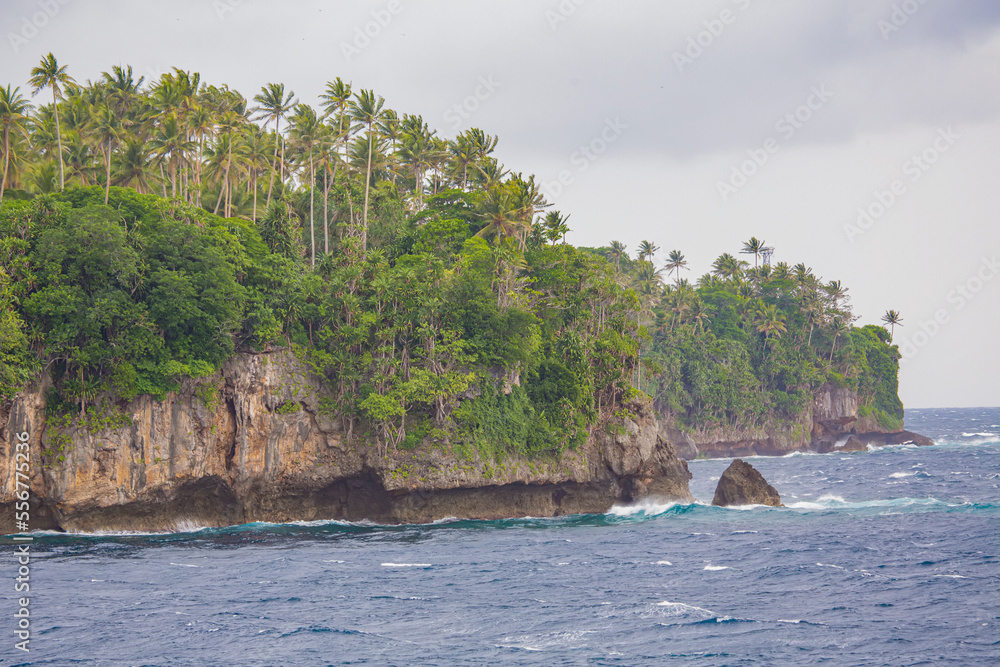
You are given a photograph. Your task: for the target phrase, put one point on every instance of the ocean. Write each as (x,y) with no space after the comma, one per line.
(886,557)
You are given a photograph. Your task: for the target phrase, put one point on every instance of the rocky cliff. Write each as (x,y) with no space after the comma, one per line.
(832,423)
(252,444)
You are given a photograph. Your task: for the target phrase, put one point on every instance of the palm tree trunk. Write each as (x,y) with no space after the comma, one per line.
(197,169)
(55,109)
(107,180)
(312,199)
(253,184)
(326,211)
(274,164)
(368,182)
(6,160)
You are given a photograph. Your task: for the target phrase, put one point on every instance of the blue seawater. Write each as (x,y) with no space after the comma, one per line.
(887,557)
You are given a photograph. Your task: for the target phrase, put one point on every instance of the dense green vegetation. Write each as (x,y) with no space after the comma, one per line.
(148,232)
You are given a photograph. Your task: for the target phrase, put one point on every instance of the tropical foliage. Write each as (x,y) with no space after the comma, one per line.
(152,229)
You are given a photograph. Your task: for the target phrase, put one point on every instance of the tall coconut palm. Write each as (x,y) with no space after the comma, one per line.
(892,318)
(727,266)
(13,117)
(257,159)
(107,129)
(123,89)
(753,247)
(49,74)
(840,328)
(416,145)
(646,250)
(555,226)
(170,143)
(366,110)
(336,102)
(617,252)
(306,132)
(676,262)
(131,169)
(769,321)
(836,291)
(274,104)
(500,213)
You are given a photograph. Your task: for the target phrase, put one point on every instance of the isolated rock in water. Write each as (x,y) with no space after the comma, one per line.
(741,484)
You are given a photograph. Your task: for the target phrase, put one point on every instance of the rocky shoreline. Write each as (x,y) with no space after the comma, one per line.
(832,423)
(252,444)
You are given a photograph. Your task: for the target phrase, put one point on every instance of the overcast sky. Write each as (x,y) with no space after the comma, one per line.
(692,124)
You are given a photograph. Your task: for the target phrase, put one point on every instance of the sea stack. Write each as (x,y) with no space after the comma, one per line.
(741,484)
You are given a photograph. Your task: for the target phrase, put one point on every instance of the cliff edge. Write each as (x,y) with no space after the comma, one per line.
(833,422)
(251,443)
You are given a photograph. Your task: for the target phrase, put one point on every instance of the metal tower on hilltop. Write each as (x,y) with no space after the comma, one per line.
(766,253)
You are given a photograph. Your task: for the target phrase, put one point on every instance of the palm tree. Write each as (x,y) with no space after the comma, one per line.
(274,104)
(647,249)
(107,129)
(366,110)
(813,310)
(753,247)
(892,318)
(555,226)
(131,171)
(49,74)
(698,314)
(500,213)
(13,114)
(727,266)
(836,291)
(617,252)
(675,263)
(415,152)
(769,321)
(840,328)
(170,143)
(306,131)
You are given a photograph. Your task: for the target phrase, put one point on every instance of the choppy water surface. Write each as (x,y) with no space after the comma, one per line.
(889,557)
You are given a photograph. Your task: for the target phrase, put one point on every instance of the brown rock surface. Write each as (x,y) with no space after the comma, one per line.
(741,484)
(252,444)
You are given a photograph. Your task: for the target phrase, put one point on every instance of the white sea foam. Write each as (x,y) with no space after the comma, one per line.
(184,565)
(662,562)
(647,507)
(716,568)
(951,576)
(406,565)
(900,475)
(833,566)
(679,608)
(333,561)
(743,532)
(981,435)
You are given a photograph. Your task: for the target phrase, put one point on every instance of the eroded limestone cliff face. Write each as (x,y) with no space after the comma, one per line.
(832,422)
(252,444)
